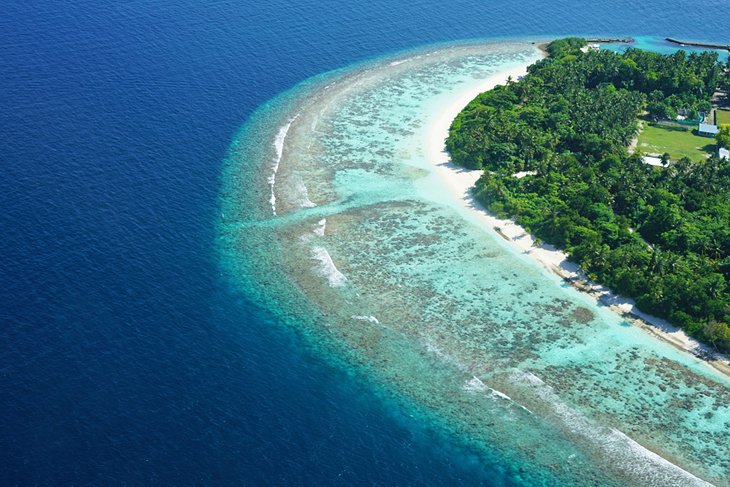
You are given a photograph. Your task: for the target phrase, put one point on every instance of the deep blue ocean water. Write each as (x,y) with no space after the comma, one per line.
(125,355)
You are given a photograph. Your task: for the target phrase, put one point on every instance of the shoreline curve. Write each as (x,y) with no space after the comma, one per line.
(460,182)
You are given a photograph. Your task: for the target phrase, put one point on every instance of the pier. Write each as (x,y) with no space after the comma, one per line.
(708,45)
(611,40)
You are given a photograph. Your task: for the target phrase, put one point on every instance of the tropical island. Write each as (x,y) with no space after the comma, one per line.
(374,247)
(566,153)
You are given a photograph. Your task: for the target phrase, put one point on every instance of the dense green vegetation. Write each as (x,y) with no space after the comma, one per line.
(723,136)
(661,236)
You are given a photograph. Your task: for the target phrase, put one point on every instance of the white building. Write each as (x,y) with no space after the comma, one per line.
(653,161)
(707,130)
(591,47)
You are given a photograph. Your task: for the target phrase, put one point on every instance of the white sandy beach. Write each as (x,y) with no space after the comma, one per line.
(459,182)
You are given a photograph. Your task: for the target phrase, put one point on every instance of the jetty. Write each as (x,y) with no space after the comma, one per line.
(611,40)
(708,45)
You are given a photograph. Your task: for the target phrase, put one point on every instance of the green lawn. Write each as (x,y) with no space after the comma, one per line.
(722,116)
(675,141)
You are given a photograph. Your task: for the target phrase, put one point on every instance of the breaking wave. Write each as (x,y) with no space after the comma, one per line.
(628,456)
(279,147)
(327,268)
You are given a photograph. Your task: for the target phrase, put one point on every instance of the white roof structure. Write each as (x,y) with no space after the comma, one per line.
(653,161)
(706,128)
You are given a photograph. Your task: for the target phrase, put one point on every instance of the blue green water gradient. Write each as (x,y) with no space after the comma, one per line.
(332,218)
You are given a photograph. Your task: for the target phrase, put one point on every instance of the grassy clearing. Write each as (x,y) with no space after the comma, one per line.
(676,141)
(722,116)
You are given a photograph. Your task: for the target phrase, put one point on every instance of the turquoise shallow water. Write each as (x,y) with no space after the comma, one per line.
(333,217)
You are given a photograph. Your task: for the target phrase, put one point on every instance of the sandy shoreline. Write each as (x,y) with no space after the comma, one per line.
(459,182)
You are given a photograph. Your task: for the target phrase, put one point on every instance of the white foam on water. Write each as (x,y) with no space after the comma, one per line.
(302,195)
(531,378)
(617,448)
(475,384)
(321,225)
(500,394)
(279,147)
(317,232)
(369,319)
(327,268)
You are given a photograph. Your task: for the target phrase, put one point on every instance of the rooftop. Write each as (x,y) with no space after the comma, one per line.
(707,128)
(653,161)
